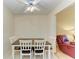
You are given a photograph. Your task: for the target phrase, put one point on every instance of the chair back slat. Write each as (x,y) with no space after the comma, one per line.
(25,44)
(39,44)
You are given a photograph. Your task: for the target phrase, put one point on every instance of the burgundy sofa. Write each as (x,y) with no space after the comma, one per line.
(67,48)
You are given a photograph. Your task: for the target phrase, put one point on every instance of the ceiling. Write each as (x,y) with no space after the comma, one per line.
(45,6)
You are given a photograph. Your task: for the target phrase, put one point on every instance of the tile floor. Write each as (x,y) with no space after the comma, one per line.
(58,55)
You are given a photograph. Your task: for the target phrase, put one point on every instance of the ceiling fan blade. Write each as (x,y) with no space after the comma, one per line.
(32,9)
(36,8)
(27,9)
(36,2)
(23,1)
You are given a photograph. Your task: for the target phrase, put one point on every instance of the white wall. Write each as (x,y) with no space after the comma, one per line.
(8,30)
(52,26)
(52,31)
(35,26)
(31,26)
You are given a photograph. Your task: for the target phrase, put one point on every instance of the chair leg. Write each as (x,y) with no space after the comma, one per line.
(43,56)
(31,56)
(20,56)
(34,57)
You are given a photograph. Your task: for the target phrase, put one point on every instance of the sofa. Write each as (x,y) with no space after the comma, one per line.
(65,46)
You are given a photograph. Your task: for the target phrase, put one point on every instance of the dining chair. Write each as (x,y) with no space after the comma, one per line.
(25,48)
(39,48)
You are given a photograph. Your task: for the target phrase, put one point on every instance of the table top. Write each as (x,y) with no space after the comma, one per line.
(17,41)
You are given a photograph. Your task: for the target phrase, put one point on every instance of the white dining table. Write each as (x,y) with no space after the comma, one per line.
(16,47)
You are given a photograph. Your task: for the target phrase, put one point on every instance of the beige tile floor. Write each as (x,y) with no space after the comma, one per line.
(61,55)
(58,55)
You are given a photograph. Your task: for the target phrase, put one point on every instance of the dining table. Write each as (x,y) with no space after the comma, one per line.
(16,45)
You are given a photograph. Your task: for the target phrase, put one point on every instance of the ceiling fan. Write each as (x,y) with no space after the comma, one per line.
(31,5)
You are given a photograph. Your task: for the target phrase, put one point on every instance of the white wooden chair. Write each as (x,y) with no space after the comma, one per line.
(39,48)
(25,48)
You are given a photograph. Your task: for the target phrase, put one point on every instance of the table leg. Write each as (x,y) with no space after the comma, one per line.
(49,52)
(12,52)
